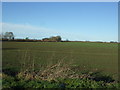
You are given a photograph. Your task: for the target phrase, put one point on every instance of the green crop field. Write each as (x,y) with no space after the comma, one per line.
(102,56)
(59,65)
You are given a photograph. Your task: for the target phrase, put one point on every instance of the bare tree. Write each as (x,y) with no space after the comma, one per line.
(8,35)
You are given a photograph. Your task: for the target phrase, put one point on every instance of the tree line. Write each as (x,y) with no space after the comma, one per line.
(9,36)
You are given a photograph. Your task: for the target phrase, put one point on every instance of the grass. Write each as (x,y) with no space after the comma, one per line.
(79,58)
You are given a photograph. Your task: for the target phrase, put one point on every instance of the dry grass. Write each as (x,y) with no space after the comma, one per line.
(51,72)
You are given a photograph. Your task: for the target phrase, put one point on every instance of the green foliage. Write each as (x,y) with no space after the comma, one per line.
(27,38)
(10,82)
